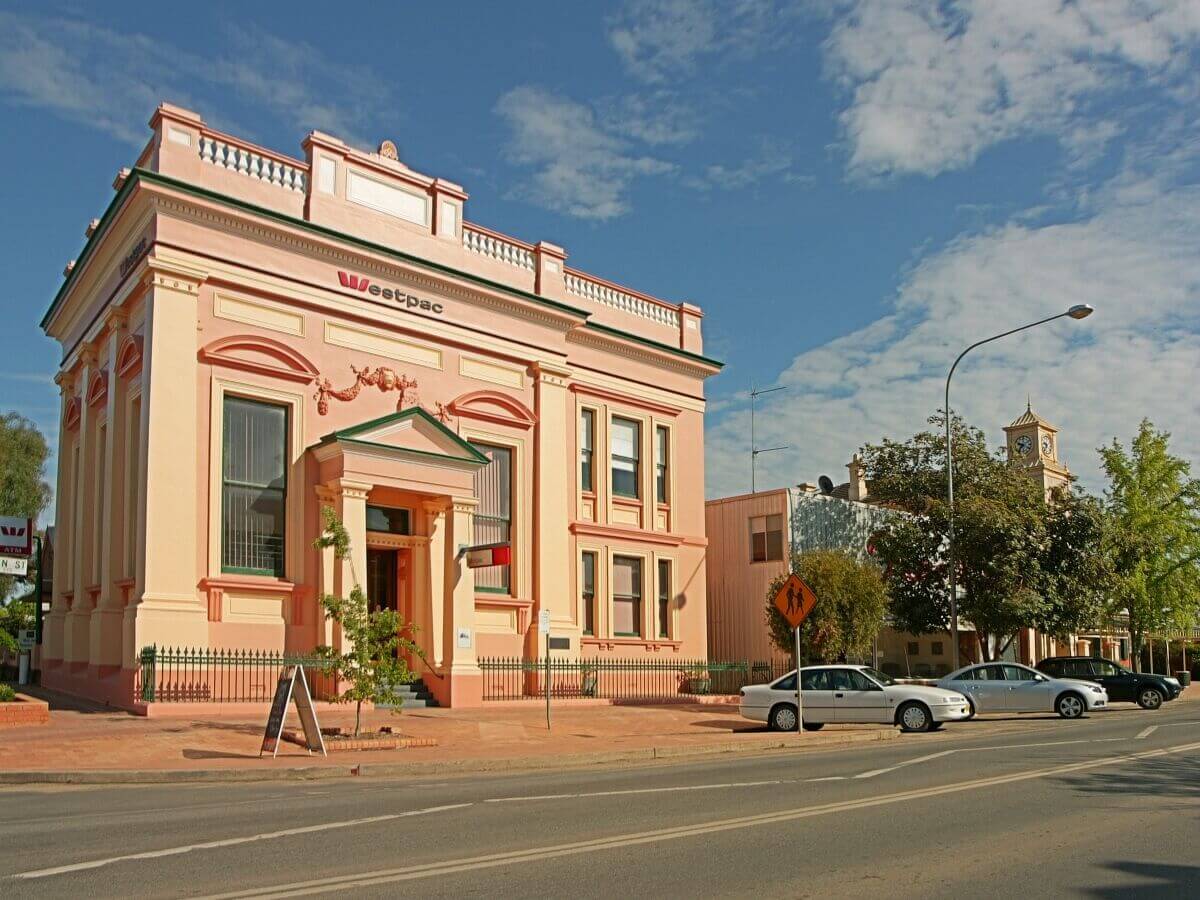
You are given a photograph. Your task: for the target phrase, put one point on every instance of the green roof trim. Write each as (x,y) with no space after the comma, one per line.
(352,433)
(657,345)
(139,174)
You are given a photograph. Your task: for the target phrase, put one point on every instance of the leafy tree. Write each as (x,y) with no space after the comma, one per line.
(1020,561)
(23,492)
(14,616)
(370,662)
(1154,539)
(851,603)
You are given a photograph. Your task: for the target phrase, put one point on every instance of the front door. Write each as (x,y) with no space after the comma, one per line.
(1119,684)
(381,578)
(1027,691)
(856,698)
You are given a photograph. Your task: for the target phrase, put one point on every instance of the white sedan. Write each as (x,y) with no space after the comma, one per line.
(1011,687)
(851,694)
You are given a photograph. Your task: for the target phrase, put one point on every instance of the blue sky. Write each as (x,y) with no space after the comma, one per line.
(852,191)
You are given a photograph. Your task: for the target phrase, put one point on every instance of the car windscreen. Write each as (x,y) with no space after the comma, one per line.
(883,679)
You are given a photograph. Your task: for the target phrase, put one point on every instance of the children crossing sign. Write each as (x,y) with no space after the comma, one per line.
(795,600)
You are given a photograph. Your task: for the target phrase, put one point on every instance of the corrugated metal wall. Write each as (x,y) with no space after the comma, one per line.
(737,588)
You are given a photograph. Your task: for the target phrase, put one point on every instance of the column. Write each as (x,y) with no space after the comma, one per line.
(105,631)
(171,611)
(553,484)
(348,499)
(76,634)
(435,567)
(466,681)
(55,622)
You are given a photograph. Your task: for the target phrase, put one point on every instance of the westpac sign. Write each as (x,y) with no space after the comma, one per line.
(16,536)
(405,301)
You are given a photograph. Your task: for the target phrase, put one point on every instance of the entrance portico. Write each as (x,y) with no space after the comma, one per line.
(405,482)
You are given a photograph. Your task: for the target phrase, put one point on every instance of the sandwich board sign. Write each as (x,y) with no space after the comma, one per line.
(285,692)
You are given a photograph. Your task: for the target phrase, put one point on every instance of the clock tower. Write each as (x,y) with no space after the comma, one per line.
(1033,444)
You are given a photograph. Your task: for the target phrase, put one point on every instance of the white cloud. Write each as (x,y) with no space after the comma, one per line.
(934,83)
(1133,257)
(581,169)
(772,162)
(658,40)
(654,118)
(112,81)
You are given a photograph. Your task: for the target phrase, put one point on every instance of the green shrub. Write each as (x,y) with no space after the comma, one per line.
(7,694)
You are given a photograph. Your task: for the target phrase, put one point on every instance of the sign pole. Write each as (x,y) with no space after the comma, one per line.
(547,685)
(799,692)
(544,633)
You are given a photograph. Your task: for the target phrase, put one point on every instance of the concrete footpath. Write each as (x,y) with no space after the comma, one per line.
(84,744)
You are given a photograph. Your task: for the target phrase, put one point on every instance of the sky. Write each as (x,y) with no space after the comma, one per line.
(852,190)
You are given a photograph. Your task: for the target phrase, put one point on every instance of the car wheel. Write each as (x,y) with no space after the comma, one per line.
(972,710)
(1150,698)
(783,718)
(813,726)
(913,716)
(1070,706)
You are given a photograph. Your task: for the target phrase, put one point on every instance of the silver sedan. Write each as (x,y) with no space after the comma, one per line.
(1012,687)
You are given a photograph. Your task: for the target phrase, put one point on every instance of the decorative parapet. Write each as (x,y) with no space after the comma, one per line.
(223,151)
(594,289)
(489,243)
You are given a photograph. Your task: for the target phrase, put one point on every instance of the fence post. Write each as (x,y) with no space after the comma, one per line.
(148,673)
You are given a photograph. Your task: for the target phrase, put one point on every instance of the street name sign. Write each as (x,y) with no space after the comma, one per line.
(544,621)
(14,565)
(795,600)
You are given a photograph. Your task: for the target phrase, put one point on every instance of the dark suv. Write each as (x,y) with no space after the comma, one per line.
(1147,691)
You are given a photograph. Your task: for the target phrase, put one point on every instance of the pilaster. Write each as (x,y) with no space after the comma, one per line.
(435,528)
(76,633)
(105,637)
(348,500)
(171,610)
(553,484)
(460,591)
(53,638)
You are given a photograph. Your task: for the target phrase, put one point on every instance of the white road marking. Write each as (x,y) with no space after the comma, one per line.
(231,842)
(1173,724)
(662,790)
(1145,732)
(907,762)
(466,864)
(829,778)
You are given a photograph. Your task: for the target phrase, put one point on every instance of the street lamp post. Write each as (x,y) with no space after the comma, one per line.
(1079,311)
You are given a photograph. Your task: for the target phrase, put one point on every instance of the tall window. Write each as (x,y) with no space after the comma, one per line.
(493,516)
(766,538)
(587,445)
(662,440)
(587,589)
(253,487)
(626,443)
(627,596)
(664,598)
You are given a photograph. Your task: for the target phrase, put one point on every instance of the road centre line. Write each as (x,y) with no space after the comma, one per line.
(1145,732)
(660,790)
(907,762)
(466,864)
(231,842)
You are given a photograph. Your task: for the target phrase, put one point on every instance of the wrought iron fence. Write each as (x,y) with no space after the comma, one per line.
(515,678)
(182,675)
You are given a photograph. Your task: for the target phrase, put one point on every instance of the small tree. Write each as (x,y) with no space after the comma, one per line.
(1154,536)
(852,600)
(23,492)
(14,616)
(371,665)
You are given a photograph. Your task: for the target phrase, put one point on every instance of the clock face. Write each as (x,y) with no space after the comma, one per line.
(1024,444)
(1047,446)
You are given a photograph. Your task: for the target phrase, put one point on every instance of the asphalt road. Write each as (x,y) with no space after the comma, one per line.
(1107,806)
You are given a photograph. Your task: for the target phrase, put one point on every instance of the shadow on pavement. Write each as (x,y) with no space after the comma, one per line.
(217,754)
(1154,880)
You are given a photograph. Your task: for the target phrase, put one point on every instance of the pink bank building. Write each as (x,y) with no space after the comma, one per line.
(247,337)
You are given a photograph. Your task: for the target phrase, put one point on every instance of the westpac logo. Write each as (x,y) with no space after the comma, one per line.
(14,531)
(16,535)
(405,301)
(354,282)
